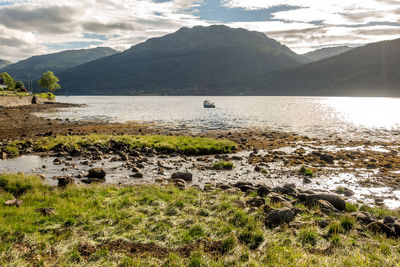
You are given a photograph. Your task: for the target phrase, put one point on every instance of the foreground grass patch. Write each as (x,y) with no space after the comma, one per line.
(182,144)
(149,225)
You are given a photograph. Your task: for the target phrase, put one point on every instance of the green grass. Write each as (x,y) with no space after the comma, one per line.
(183,144)
(308,236)
(223,165)
(306,171)
(89,219)
(13,93)
(12,150)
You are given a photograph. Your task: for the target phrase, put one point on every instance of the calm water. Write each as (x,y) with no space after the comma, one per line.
(313,116)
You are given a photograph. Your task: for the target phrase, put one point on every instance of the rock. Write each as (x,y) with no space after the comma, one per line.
(257,169)
(42,176)
(134,169)
(364,217)
(344,191)
(223,186)
(390,220)
(123,156)
(3,155)
(137,175)
(336,201)
(325,206)
(277,199)
(286,190)
(46,211)
(178,182)
(328,158)
(57,161)
(307,180)
(64,181)
(380,227)
(396,227)
(186,176)
(239,184)
(134,153)
(279,216)
(13,203)
(97,173)
(245,186)
(75,152)
(255,202)
(93,180)
(263,191)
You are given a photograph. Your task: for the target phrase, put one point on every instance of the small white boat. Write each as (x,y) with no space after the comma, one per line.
(208,104)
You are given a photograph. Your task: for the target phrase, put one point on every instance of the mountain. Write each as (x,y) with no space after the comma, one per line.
(326,52)
(371,70)
(181,62)
(37,65)
(4,63)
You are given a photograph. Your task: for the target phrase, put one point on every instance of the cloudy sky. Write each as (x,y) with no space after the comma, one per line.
(32,27)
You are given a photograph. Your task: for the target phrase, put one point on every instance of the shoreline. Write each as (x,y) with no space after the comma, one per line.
(83,193)
(368,164)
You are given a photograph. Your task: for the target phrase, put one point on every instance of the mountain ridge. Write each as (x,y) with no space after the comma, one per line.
(370,70)
(35,66)
(181,63)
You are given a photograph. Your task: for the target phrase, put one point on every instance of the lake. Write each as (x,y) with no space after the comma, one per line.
(369,118)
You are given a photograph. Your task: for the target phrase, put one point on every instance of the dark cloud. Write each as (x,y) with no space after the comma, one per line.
(12,42)
(98,27)
(362,16)
(389,31)
(54,20)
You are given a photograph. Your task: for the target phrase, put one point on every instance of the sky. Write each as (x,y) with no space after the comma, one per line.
(34,27)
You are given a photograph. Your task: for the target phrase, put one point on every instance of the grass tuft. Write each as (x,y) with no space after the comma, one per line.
(223,165)
(306,171)
(308,236)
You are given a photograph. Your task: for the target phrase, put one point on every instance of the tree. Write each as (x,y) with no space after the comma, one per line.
(49,81)
(8,80)
(20,87)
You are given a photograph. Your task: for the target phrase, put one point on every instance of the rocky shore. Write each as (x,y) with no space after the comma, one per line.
(335,166)
(115,194)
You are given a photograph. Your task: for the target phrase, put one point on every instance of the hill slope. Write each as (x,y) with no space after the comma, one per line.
(181,62)
(4,63)
(37,65)
(327,52)
(371,70)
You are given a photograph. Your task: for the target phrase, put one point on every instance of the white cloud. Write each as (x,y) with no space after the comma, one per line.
(123,22)
(30,25)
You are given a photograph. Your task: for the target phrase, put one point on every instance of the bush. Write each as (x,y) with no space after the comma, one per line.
(48,96)
(223,165)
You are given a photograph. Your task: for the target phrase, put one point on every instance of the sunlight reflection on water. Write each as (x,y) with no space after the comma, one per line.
(313,116)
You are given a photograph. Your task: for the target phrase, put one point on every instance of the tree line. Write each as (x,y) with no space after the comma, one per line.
(48,81)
